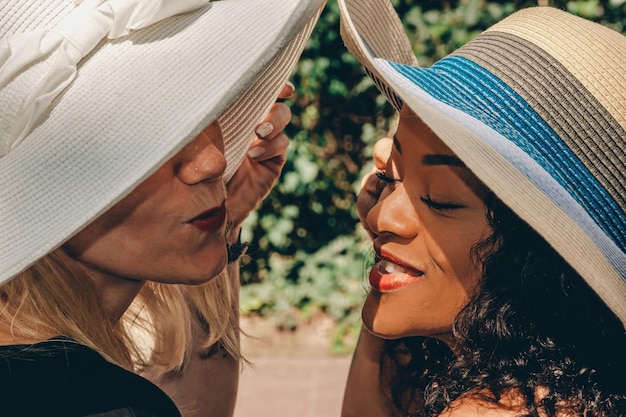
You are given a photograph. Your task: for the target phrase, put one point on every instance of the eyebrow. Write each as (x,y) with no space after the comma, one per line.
(433,159)
(442,159)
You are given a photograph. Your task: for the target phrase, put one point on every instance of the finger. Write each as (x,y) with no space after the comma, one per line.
(274,123)
(381,152)
(287,92)
(370,188)
(264,150)
(277,147)
(367,198)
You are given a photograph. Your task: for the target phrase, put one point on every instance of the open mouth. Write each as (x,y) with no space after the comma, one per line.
(388,275)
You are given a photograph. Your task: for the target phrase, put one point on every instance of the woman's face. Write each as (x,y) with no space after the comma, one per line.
(171,227)
(430,214)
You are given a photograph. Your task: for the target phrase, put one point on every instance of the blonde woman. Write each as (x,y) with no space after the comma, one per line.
(162,316)
(122,123)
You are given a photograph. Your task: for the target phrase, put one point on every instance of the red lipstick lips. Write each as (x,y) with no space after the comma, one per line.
(389,274)
(211,220)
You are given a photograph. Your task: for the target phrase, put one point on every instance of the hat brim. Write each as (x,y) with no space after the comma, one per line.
(135,102)
(508,171)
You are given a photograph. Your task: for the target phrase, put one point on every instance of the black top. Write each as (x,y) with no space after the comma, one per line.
(60,377)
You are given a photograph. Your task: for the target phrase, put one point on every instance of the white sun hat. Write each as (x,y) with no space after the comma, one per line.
(536,107)
(95,95)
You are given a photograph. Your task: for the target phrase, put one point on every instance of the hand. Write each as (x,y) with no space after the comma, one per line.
(262,166)
(370,185)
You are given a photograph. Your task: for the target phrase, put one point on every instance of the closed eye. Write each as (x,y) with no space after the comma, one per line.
(440,205)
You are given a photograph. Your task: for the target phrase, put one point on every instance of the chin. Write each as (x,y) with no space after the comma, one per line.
(390,322)
(384,331)
(205,275)
(380,324)
(210,264)
(196,273)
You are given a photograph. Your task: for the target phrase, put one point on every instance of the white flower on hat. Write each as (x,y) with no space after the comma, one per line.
(46,59)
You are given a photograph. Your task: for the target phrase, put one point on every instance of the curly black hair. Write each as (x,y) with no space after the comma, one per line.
(534,327)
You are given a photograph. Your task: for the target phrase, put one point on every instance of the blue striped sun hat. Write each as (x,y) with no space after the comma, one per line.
(536,108)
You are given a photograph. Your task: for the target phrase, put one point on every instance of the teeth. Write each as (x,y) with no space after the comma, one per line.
(391,268)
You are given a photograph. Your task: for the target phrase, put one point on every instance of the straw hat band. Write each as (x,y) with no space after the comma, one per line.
(495,104)
(391,96)
(599,65)
(589,129)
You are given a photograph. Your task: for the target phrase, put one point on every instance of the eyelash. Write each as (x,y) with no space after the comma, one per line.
(430,203)
(439,206)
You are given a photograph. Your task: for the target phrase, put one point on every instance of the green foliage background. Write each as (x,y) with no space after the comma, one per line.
(309,254)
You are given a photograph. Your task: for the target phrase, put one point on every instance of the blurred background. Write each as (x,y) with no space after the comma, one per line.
(309,258)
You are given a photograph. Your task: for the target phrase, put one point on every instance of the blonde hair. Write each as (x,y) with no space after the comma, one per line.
(57,297)
(163,321)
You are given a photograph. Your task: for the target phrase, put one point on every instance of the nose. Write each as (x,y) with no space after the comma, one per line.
(394,214)
(203,158)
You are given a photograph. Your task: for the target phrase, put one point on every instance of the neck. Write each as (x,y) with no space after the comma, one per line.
(115,293)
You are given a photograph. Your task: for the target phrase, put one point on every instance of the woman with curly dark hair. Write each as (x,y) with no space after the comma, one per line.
(498,216)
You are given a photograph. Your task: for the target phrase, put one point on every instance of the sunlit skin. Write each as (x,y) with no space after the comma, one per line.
(154,233)
(424,225)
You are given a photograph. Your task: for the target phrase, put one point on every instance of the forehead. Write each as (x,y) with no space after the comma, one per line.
(414,139)
(413,132)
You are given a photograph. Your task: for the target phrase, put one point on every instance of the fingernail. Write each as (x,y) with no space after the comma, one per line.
(293,88)
(256,152)
(264,129)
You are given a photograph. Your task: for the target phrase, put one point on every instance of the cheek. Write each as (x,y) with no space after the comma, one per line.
(117,235)
(101,249)
(459,263)
(88,238)
(134,218)
(453,253)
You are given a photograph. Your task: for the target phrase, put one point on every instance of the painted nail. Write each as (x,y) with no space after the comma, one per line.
(293,88)
(264,129)
(256,152)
